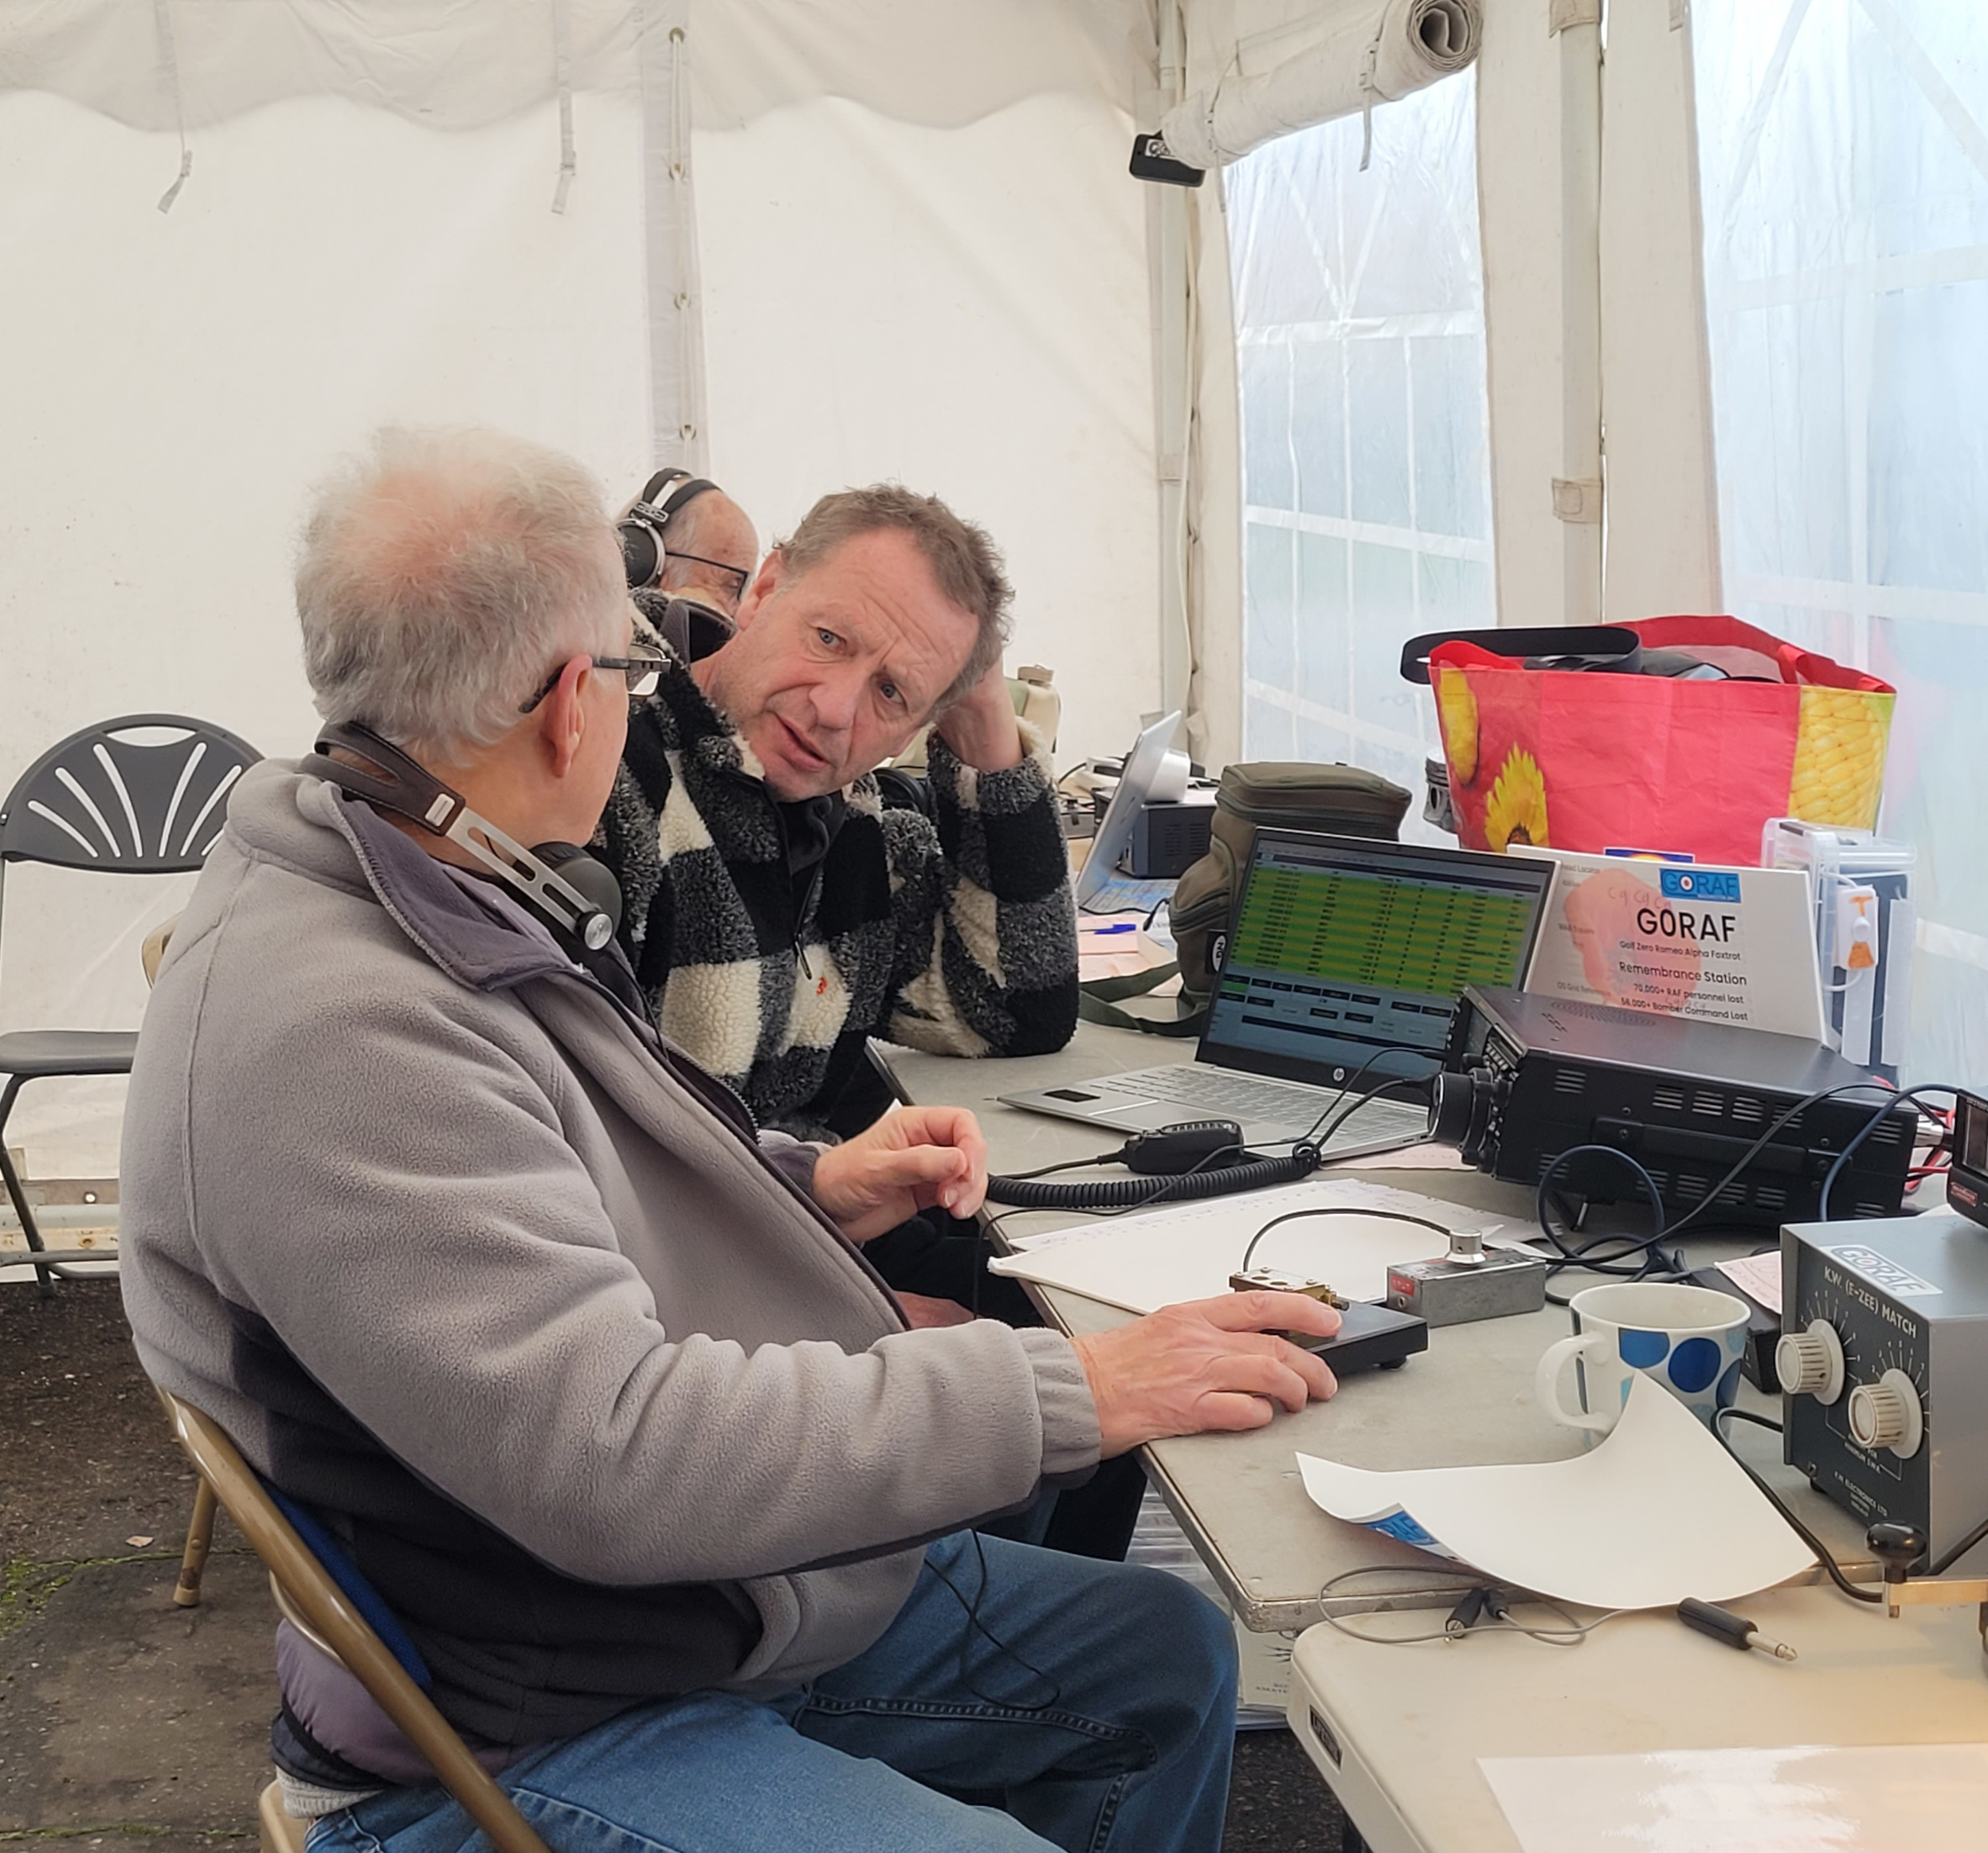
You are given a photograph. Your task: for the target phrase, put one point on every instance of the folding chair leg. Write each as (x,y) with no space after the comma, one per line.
(45,1277)
(200,1534)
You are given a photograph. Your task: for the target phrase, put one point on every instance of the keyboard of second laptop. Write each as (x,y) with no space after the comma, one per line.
(1213,1091)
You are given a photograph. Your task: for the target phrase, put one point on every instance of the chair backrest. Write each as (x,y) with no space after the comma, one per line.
(118,797)
(314,1601)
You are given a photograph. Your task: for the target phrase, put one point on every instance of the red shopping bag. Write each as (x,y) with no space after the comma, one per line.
(1594,762)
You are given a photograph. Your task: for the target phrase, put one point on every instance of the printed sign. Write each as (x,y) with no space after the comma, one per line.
(1719,945)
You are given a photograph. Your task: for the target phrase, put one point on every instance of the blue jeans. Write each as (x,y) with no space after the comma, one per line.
(935,1738)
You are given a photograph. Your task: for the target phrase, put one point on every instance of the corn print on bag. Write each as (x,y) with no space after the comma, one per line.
(1587,762)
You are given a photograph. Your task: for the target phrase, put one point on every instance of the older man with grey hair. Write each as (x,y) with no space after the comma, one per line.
(584,1375)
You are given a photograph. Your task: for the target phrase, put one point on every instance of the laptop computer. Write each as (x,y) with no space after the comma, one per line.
(1334,984)
(1144,767)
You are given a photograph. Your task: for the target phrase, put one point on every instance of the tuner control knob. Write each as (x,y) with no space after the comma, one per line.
(1810,1363)
(1888,1414)
(1898,1546)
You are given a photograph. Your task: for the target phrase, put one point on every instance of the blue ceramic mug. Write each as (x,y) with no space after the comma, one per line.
(1687,1338)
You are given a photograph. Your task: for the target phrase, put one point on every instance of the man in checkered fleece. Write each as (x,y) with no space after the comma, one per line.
(777,913)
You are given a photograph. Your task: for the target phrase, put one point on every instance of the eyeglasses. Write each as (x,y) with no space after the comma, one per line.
(741,573)
(644,669)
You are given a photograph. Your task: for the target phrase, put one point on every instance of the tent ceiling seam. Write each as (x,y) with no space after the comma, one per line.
(169,61)
(562,80)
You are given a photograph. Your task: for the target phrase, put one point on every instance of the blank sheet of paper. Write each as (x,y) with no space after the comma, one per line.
(1165,1256)
(1903,1798)
(1656,1512)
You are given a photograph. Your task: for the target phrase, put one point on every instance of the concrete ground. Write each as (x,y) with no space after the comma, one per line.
(130,1725)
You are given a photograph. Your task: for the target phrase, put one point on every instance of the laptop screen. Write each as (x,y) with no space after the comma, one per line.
(1344,951)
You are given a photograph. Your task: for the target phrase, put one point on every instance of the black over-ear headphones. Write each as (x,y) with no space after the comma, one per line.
(691,628)
(641,529)
(565,887)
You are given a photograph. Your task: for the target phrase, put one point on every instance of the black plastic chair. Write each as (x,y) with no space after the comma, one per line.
(104,799)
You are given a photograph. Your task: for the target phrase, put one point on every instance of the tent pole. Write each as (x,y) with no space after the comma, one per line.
(675,326)
(1173,364)
(1578,494)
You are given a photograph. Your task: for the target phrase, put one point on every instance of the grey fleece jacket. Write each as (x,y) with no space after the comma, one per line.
(506,1291)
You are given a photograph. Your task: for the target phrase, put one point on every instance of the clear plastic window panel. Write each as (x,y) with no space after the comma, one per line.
(1843,158)
(1367,479)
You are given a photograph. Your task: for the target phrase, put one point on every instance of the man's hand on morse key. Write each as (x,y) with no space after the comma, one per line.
(1208,1364)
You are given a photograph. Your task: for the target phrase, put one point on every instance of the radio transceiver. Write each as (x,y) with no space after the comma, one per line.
(1884,1368)
(1528,1078)
(1967,1182)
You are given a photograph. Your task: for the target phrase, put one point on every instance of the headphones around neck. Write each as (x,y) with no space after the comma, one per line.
(641,529)
(574,894)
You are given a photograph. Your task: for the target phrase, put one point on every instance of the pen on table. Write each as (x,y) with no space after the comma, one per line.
(1123,927)
(1734,1630)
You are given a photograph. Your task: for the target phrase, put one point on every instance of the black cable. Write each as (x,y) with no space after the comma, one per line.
(1021,1192)
(985,1225)
(1959,1550)
(1760,1145)
(1572,1254)
(1070,1164)
(975,1625)
(1128,1192)
(1581,1255)
(1491,1608)
(1869,1126)
(1945,1561)
(1353,1079)
(1854,1591)
(1182,1186)
(1291,1216)
(1892,1097)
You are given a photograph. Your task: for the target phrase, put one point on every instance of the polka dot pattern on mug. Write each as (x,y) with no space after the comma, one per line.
(1693,1365)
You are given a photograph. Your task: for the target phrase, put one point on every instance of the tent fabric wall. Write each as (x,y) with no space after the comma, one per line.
(803,242)
(1663,520)
(1592,306)
(942,63)
(1360,332)
(169,65)
(919,252)
(1308,56)
(885,299)
(176,382)
(1537,113)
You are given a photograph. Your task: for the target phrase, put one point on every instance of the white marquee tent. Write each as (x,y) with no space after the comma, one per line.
(798,243)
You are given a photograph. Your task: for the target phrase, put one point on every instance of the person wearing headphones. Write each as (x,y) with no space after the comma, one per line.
(684,538)
(584,1373)
(779,915)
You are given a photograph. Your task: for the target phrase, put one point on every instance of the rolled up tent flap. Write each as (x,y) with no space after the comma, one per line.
(1378,52)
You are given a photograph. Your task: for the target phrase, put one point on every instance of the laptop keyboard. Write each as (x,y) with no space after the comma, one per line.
(1213,1093)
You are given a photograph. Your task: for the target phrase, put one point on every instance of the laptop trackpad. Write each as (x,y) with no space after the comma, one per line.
(1141,1116)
